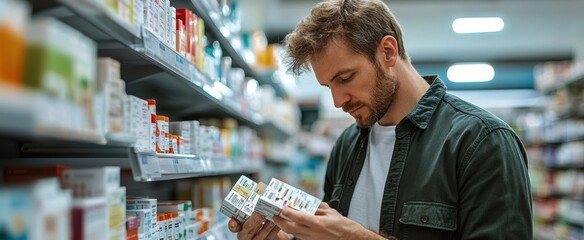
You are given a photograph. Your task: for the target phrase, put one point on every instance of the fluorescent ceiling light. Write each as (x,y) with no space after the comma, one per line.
(471,72)
(478,25)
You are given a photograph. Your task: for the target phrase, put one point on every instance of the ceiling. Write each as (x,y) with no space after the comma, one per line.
(535,30)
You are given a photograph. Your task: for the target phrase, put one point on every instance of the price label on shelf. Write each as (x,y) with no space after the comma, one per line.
(148,166)
(151,44)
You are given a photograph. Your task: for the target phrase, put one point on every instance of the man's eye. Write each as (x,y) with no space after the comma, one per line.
(348,78)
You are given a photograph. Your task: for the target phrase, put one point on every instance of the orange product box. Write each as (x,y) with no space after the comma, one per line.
(12,39)
(132,234)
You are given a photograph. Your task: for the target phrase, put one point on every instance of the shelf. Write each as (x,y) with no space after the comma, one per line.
(148,167)
(205,10)
(153,70)
(145,166)
(577,80)
(24,114)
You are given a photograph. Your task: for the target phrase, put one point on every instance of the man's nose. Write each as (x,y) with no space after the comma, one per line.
(340,97)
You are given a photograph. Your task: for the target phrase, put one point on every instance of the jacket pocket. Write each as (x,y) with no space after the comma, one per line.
(428,220)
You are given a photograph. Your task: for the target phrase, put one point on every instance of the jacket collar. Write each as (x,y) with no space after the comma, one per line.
(423,111)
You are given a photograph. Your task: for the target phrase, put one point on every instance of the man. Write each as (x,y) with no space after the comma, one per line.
(419,163)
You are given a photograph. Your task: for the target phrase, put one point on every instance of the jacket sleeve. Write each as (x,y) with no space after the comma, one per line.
(329,178)
(495,197)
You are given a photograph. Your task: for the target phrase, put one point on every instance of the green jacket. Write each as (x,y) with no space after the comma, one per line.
(457,172)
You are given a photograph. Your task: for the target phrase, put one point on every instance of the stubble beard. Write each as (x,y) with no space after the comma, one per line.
(381,98)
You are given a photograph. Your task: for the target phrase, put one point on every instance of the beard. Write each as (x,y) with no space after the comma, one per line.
(381,98)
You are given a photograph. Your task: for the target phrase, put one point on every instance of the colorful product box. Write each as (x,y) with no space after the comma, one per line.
(279,195)
(145,216)
(240,197)
(146,203)
(116,203)
(23,209)
(268,201)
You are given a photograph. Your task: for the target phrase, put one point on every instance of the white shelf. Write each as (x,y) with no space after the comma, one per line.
(147,166)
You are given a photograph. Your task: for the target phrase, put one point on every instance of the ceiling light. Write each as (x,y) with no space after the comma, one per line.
(471,72)
(478,25)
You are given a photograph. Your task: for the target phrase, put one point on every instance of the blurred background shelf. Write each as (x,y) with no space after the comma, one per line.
(210,12)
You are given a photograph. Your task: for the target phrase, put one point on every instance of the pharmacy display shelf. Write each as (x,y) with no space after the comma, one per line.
(153,70)
(218,231)
(27,115)
(93,20)
(147,166)
(210,13)
(576,80)
(183,92)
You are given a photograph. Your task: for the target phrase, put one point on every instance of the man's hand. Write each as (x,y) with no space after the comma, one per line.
(257,227)
(327,223)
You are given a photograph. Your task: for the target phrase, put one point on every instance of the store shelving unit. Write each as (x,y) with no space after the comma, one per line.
(151,70)
(210,13)
(556,190)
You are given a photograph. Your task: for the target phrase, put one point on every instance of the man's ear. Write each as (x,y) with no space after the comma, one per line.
(388,51)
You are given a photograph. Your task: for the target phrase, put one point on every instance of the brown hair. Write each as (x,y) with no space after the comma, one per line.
(361,23)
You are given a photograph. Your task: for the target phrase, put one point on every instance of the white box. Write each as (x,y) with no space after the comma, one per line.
(248,208)
(91,182)
(279,194)
(184,130)
(173,28)
(112,88)
(137,118)
(138,13)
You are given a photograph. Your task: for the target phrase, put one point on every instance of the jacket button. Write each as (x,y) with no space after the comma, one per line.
(424,219)
(350,182)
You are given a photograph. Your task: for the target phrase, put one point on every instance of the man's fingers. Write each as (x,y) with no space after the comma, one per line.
(265,231)
(278,234)
(297,216)
(251,226)
(234,226)
(289,226)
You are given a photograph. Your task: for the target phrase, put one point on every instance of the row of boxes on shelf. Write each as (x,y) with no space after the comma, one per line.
(562,216)
(566,155)
(539,127)
(76,89)
(552,74)
(91,204)
(247,196)
(561,184)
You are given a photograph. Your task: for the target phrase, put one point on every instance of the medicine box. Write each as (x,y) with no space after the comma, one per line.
(91,182)
(279,195)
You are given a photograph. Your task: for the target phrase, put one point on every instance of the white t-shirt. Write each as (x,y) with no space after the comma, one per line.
(366,201)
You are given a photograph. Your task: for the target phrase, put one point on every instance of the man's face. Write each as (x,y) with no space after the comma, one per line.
(358,86)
